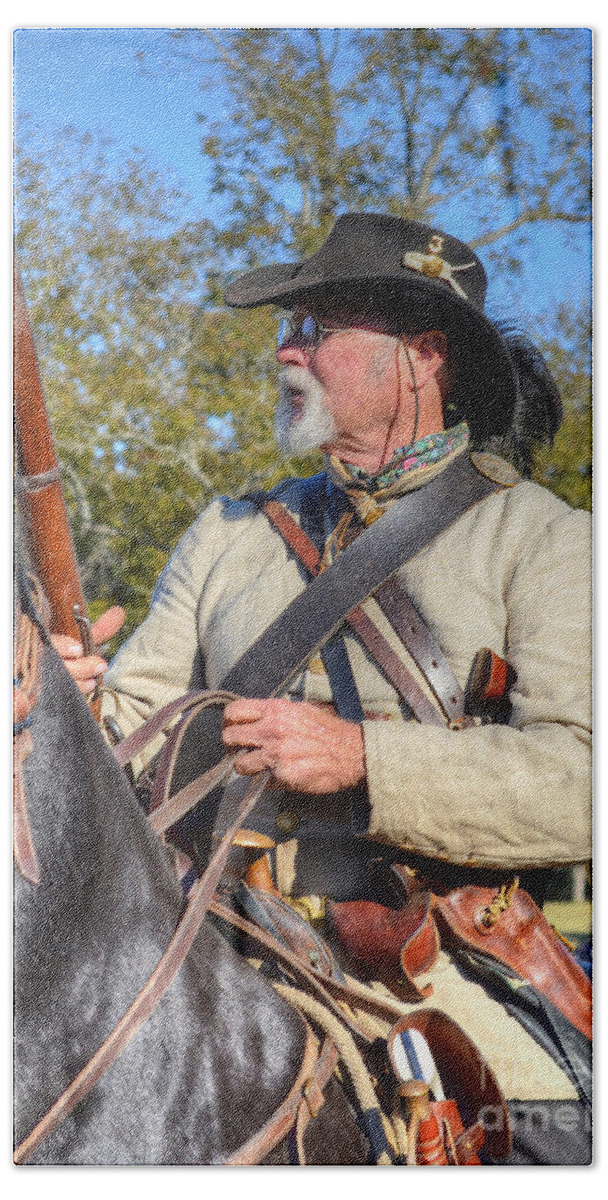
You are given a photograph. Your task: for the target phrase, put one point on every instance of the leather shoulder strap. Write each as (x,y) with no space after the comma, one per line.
(368,632)
(409,525)
(306,539)
(413,633)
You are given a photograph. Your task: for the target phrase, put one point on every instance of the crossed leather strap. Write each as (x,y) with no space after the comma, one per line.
(317,1066)
(407,623)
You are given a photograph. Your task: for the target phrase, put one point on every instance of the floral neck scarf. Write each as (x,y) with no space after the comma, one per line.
(409,468)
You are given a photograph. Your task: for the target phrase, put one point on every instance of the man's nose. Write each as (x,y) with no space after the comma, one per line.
(294,355)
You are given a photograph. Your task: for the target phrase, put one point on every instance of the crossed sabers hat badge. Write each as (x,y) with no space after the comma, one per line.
(432,265)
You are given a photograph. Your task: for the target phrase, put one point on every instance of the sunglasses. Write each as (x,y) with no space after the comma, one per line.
(307,331)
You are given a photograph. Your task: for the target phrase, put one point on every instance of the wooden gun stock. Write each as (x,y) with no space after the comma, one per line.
(39,483)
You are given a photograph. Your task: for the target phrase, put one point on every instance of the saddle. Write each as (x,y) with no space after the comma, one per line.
(444,1104)
(394,946)
(504,926)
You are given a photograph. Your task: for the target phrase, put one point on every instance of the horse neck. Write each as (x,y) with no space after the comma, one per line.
(86,940)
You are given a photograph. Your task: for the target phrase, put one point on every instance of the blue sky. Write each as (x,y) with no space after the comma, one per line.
(93,79)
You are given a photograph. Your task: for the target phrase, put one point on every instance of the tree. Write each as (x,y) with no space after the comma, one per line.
(160,397)
(158,400)
(110,287)
(489,124)
(565,467)
(481,127)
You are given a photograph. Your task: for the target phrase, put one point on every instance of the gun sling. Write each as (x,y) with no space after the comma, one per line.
(341,592)
(410,524)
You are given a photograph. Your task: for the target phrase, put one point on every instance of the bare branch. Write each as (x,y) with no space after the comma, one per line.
(528,217)
(421,199)
(235,63)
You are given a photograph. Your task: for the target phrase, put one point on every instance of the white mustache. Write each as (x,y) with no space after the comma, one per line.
(314,425)
(296,379)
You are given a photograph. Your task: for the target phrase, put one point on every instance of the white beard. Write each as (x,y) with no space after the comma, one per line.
(313,425)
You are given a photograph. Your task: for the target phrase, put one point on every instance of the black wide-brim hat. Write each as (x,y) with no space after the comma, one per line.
(415,276)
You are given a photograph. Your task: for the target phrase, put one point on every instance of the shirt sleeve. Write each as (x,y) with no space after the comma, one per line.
(515,795)
(162,660)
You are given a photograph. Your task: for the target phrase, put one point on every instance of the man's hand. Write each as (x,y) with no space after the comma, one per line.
(307,748)
(22,705)
(85,670)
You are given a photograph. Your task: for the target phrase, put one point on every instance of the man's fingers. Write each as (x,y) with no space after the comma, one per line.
(85,670)
(88,668)
(245,734)
(22,705)
(67,646)
(307,749)
(108,624)
(86,686)
(244,710)
(254,761)
(101,631)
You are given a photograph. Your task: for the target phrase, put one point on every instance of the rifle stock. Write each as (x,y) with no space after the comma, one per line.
(40,487)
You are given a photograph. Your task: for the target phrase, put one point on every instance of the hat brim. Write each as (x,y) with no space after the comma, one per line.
(479,352)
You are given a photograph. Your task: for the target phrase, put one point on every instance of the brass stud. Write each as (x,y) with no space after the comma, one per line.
(287,821)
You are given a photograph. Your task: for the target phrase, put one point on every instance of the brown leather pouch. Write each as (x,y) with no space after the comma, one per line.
(461,1144)
(515,932)
(392,945)
(467,1080)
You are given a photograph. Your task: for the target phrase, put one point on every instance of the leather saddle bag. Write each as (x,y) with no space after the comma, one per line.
(392,945)
(522,939)
(398,944)
(475,1112)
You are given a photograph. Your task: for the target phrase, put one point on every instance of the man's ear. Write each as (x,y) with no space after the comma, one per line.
(431,342)
(431,350)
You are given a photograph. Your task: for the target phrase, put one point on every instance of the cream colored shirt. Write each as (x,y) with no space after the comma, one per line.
(513,573)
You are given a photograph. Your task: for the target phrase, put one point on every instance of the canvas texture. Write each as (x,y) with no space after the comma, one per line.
(363,939)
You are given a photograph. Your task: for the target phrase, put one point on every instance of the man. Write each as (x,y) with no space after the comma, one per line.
(388,363)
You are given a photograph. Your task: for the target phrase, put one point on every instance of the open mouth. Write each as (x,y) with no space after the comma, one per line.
(298,393)
(297,401)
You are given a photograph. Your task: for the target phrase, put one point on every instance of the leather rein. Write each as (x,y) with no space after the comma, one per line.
(168,809)
(306,1095)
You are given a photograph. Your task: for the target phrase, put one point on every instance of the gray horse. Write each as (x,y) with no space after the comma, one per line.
(221,1051)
